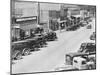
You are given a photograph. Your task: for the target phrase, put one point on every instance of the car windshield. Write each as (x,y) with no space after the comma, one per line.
(83,62)
(75,61)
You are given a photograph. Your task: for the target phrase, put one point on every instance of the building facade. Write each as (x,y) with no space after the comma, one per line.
(24,16)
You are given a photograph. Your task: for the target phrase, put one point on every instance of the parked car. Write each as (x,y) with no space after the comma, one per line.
(89,27)
(41,40)
(93,36)
(19,49)
(92,60)
(51,36)
(83,23)
(87,48)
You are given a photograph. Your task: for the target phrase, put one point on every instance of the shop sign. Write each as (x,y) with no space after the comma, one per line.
(25,19)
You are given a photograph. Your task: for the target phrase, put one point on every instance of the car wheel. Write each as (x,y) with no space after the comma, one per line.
(90,67)
(26,51)
(18,56)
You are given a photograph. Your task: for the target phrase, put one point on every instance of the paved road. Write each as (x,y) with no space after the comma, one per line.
(48,58)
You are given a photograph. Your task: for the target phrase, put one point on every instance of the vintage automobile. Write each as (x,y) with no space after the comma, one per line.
(92,59)
(38,34)
(89,27)
(23,47)
(87,48)
(19,49)
(51,36)
(40,40)
(73,27)
(93,36)
(84,23)
(78,61)
(81,60)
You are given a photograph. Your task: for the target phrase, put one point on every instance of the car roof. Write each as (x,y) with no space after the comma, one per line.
(79,59)
(89,43)
(78,54)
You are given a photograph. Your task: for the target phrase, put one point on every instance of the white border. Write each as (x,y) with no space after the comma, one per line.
(5,36)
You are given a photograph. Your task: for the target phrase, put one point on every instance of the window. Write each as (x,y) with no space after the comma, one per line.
(75,61)
(83,62)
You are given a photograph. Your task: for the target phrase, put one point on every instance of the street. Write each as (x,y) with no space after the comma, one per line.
(48,58)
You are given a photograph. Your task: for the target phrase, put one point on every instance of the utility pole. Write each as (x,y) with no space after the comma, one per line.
(61,15)
(38,15)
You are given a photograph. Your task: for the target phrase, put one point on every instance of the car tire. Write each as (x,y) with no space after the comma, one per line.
(18,55)
(90,67)
(26,51)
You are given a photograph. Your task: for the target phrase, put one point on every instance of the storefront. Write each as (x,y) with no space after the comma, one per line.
(25,17)
(23,26)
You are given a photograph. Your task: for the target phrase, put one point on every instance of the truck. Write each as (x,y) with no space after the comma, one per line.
(81,61)
(78,61)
